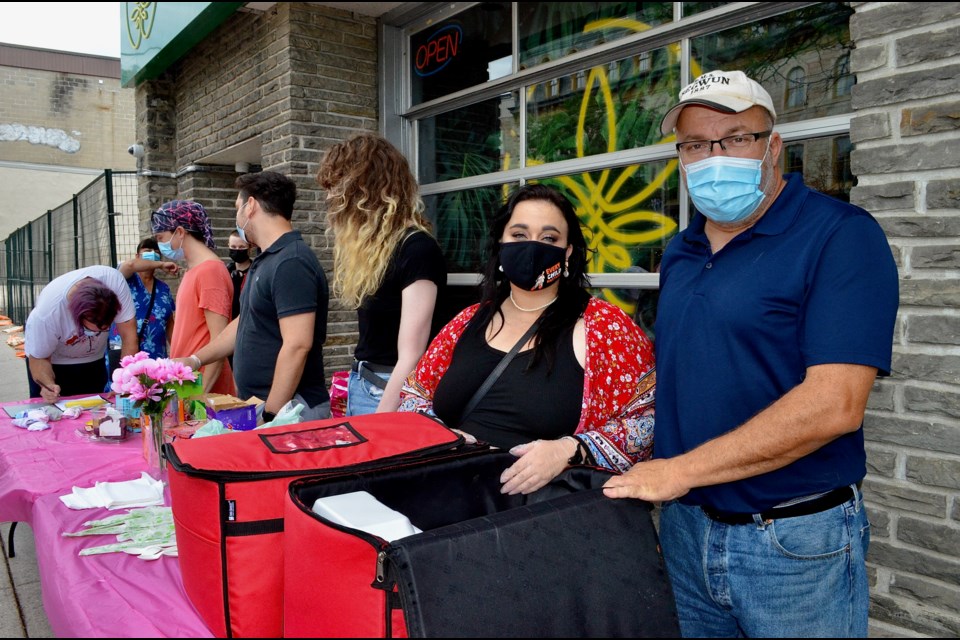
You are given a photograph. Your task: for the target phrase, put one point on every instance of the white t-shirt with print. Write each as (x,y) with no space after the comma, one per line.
(51,332)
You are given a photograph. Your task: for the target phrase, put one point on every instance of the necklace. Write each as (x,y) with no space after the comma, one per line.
(543,306)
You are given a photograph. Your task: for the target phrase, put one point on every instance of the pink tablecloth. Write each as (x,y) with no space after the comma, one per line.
(37,463)
(112,595)
(109,595)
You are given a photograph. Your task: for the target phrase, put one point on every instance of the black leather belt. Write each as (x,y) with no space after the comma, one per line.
(807,507)
(368,371)
(372,366)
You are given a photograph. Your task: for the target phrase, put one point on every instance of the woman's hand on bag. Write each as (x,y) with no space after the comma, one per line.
(467,438)
(540,462)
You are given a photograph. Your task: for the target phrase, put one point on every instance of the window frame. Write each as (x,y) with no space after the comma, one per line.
(399,118)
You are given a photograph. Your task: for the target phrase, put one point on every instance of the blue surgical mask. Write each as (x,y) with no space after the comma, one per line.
(240,230)
(151,255)
(90,333)
(169,252)
(725,189)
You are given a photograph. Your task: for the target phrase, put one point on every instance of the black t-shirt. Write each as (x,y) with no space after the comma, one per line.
(417,258)
(237,277)
(522,405)
(285,280)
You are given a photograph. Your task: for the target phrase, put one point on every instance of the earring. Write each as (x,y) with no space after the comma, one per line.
(566,269)
(500,268)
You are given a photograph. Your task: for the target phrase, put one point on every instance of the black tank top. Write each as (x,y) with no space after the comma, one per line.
(522,405)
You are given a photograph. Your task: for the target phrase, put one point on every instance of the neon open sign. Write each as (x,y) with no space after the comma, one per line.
(439,50)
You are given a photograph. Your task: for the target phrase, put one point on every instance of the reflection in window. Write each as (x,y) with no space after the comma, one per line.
(643,62)
(580,81)
(552,30)
(461,222)
(691,8)
(844,79)
(628,214)
(470,141)
(793,159)
(796,88)
(613,72)
(811,39)
(639,304)
(841,164)
(564,122)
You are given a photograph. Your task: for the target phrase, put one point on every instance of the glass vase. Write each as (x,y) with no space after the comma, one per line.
(151,428)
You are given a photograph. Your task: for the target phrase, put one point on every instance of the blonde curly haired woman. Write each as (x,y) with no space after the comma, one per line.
(386,265)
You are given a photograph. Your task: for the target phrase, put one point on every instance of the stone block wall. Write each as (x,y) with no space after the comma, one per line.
(295,79)
(906,131)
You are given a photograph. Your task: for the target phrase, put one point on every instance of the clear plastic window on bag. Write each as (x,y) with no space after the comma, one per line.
(338,435)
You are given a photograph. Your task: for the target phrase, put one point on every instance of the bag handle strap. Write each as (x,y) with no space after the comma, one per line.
(495,374)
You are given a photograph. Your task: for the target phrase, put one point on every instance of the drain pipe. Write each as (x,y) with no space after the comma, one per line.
(192,168)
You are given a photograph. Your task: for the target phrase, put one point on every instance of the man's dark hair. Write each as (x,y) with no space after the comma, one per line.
(275,192)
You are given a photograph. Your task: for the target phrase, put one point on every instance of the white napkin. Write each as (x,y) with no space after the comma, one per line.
(143,492)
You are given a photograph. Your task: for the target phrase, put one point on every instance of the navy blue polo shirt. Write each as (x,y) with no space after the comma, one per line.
(813,282)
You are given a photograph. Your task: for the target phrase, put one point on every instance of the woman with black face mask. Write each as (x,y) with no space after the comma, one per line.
(580,385)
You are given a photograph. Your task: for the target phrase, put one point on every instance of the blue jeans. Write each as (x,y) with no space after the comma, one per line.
(363,396)
(798,577)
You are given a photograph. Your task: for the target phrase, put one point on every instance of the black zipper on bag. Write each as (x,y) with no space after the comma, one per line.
(246,476)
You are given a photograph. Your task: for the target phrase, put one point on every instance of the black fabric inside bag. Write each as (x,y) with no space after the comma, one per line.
(564,561)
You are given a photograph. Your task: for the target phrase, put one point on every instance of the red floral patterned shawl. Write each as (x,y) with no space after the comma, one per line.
(616,420)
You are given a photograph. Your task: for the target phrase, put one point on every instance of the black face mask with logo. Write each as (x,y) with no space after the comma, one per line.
(532,265)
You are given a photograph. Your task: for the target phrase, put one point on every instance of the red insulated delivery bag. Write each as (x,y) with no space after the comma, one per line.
(467,560)
(228,494)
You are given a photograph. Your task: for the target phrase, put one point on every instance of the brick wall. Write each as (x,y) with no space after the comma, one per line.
(297,78)
(907,161)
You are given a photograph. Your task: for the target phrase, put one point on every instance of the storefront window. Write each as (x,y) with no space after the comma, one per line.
(628,214)
(580,107)
(619,107)
(551,30)
(461,223)
(468,49)
(793,158)
(692,8)
(470,141)
(793,55)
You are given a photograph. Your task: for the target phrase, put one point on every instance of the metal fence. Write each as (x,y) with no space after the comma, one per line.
(99,225)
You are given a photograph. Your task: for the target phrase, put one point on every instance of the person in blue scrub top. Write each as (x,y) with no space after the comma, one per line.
(776,314)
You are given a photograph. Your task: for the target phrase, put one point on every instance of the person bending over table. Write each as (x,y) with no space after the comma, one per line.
(581,388)
(65,336)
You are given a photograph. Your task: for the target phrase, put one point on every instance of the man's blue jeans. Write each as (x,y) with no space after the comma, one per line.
(790,577)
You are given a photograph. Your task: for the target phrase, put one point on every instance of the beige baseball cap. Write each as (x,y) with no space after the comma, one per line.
(726,91)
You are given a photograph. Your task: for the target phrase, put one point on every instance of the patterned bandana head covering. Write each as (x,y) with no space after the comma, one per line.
(183,213)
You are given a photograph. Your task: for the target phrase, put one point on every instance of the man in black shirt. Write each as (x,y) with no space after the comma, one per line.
(277,340)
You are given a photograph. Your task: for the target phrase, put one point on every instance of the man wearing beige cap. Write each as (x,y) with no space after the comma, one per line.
(776,313)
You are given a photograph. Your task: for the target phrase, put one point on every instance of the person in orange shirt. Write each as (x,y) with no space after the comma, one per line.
(205,296)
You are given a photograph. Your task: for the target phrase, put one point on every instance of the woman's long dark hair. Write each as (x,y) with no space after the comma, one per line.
(572,296)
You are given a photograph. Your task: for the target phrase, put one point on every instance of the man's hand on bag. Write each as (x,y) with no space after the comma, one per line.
(653,480)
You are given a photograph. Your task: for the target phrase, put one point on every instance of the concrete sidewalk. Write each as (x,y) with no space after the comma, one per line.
(21,605)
